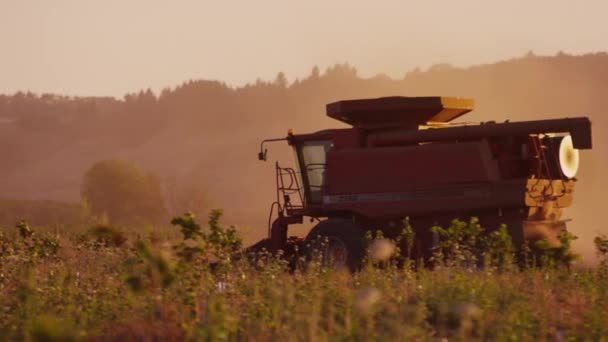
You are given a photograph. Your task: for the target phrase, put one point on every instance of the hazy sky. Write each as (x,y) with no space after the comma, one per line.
(111,47)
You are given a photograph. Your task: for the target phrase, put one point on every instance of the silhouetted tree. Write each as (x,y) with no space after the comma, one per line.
(124,191)
(315,73)
(281,80)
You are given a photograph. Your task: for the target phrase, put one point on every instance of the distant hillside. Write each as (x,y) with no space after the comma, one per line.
(205,132)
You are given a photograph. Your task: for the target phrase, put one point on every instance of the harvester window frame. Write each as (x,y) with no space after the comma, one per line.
(304,168)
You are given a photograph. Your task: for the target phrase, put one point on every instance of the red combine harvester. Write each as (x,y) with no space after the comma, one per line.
(403,158)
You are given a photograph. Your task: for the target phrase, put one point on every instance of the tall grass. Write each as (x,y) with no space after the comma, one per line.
(108,284)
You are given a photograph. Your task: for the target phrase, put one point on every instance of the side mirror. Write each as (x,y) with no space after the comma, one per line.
(264,151)
(262,155)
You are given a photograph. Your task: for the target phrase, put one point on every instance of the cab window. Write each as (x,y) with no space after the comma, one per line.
(313,167)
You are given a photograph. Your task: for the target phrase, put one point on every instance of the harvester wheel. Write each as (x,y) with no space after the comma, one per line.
(337,242)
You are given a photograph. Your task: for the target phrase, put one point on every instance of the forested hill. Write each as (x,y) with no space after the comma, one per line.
(206,133)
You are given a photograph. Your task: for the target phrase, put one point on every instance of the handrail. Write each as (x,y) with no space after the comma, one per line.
(285,191)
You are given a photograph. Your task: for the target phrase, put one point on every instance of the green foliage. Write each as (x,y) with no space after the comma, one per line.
(560,255)
(24,229)
(403,243)
(601,245)
(466,244)
(5,245)
(123,191)
(44,247)
(34,245)
(219,243)
(189,228)
(107,235)
(159,270)
(459,244)
(498,248)
(407,236)
(225,241)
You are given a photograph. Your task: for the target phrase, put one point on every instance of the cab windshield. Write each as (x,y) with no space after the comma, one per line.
(311,158)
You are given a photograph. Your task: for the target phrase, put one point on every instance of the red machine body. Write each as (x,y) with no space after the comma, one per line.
(403,158)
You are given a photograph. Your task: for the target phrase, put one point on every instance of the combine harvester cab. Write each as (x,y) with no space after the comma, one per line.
(403,158)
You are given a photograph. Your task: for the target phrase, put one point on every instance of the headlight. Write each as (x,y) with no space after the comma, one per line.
(568,157)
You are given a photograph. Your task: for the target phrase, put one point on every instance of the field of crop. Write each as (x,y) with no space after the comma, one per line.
(191,282)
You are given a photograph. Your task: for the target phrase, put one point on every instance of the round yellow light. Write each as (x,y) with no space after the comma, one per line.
(568,157)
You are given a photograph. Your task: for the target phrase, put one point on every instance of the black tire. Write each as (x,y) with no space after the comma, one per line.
(338,234)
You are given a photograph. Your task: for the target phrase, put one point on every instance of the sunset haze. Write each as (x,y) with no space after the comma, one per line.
(101,48)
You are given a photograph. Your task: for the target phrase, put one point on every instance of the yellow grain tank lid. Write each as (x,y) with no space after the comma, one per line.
(399,110)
